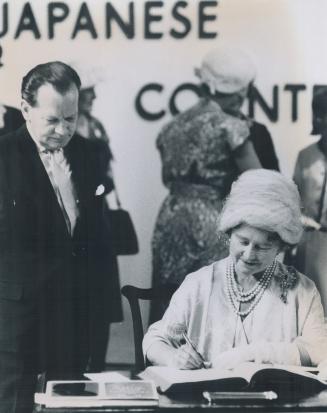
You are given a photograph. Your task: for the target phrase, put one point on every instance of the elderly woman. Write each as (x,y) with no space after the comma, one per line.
(203,150)
(248,306)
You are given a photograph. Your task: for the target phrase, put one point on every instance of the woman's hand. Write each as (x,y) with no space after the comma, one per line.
(231,358)
(185,358)
(261,352)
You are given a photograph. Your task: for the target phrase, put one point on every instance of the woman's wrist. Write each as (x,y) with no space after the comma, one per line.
(275,352)
(161,354)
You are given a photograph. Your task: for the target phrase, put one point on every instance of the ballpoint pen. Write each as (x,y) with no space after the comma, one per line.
(189,342)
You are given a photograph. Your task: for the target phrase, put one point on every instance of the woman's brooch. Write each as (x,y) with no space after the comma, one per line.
(288,278)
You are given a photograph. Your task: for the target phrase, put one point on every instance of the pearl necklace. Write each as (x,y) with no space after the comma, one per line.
(237,296)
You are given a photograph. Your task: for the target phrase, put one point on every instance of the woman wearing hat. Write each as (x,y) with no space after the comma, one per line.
(311,177)
(202,150)
(248,306)
(89,127)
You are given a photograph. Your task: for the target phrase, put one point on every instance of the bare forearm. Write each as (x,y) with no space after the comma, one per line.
(246,157)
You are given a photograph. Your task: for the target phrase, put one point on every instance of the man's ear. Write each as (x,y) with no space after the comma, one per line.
(25,108)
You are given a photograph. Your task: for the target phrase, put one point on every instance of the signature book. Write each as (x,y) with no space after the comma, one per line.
(98,394)
(247,376)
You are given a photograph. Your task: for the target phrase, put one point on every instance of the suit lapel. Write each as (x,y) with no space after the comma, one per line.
(35,182)
(76,157)
(32,167)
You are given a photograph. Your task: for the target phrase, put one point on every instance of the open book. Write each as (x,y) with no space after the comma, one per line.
(247,376)
(98,394)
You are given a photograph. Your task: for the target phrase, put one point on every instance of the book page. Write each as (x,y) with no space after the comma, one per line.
(107,376)
(166,376)
(247,370)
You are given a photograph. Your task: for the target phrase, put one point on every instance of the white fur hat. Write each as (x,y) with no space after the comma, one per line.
(226,70)
(266,200)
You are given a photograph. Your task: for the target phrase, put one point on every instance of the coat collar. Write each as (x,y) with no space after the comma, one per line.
(31,160)
(35,181)
(30,164)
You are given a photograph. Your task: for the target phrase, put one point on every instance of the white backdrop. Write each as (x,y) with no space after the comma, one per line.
(286,39)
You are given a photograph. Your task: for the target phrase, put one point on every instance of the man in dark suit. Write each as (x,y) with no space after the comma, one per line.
(53,244)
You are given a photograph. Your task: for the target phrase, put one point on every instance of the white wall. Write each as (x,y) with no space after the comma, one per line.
(285,37)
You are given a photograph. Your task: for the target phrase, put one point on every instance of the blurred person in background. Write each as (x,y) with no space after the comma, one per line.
(310,175)
(203,150)
(90,128)
(10,119)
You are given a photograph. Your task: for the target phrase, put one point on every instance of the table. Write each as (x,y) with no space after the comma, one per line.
(195,403)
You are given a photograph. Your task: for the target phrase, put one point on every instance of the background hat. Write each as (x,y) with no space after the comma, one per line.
(226,70)
(90,76)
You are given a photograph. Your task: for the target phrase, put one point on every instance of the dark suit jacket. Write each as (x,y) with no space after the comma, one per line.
(49,281)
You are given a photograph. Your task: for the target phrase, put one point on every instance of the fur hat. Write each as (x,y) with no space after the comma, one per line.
(266,200)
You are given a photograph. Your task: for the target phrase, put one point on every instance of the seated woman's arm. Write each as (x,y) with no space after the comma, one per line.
(313,340)
(163,344)
(183,357)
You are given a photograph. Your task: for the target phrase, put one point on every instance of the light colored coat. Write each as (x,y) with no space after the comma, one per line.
(309,175)
(274,331)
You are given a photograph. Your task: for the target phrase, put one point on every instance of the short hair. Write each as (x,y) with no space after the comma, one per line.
(58,74)
(319,100)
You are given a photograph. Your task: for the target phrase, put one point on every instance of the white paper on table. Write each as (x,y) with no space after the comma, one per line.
(107,376)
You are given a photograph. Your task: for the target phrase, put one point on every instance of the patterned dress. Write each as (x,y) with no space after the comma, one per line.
(198,168)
